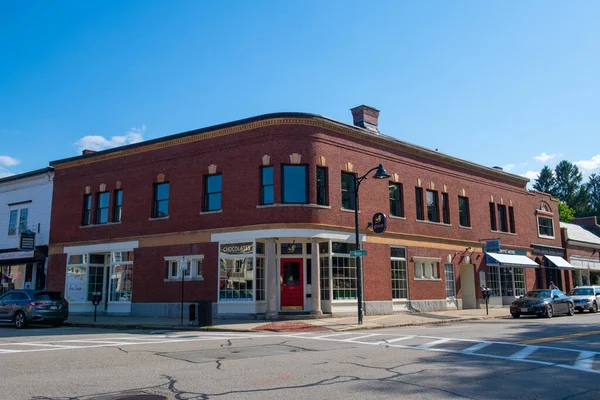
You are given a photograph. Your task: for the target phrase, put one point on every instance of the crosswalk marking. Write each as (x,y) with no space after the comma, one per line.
(360,337)
(398,339)
(524,353)
(585,360)
(475,347)
(434,343)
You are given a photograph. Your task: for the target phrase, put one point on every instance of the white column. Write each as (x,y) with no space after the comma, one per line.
(272,277)
(315,279)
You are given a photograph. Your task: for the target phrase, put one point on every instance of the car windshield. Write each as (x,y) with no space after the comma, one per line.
(538,293)
(48,296)
(581,292)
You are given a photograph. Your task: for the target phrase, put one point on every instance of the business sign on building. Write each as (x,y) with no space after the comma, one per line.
(27,241)
(237,248)
(379,222)
(492,246)
(16,255)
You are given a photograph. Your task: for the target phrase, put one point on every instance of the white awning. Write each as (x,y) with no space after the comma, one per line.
(585,263)
(510,260)
(559,262)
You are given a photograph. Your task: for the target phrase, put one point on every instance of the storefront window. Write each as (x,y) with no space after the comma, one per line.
(236,277)
(506,281)
(399,273)
(494,281)
(260,279)
(519,274)
(121,282)
(343,270)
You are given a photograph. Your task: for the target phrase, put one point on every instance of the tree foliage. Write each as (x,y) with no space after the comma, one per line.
(545,182)
(566,213)
(577,199)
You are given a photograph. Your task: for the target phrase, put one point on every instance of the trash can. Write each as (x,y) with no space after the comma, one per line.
(192,313)
(205,313)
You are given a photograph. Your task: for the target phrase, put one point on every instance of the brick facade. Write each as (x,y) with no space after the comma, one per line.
(238,149)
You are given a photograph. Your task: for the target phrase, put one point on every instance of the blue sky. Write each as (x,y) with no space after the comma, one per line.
(508,83)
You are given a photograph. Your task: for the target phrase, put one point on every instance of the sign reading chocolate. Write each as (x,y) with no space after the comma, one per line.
(237,248)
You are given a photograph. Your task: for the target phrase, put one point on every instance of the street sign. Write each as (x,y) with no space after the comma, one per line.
(358,253)
(492,246)
(379,222)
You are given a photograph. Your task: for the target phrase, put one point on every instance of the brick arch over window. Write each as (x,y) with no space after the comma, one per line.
(545,206)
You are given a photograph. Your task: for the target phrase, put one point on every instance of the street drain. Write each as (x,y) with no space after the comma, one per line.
(141,397)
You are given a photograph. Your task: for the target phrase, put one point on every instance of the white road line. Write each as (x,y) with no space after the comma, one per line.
(585,360)
(335,334)
(50,345)
(524,352)
(475,347)
(359,338)
(431,344)
(398,339)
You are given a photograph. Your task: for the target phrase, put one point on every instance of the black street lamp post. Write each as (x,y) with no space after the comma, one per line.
(380,174)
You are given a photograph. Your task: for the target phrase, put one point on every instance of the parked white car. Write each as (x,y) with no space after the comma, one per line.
(586,298)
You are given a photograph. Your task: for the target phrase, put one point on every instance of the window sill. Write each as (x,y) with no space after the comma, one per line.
(428,279)
(465,227)
(434,223)
(158,218)
(395,217)
(546,237)
(348,210)
(211,212)
(311,205)
(195,278)
(97,225)
(504,233)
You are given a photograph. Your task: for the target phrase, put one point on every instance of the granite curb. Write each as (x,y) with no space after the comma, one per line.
(218,329)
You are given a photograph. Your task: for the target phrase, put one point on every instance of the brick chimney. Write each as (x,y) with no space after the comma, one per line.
(86,152)
(366,117)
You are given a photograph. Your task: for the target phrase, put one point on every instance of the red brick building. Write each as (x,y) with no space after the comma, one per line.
(258,216)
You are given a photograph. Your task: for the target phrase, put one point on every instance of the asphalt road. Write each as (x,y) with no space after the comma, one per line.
(529,358)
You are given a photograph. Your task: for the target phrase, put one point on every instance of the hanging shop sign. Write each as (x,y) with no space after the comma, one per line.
(379,222)
(237,248)
(27,241)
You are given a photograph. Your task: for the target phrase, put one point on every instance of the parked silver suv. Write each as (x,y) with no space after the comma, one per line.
(586,298)
(22,307)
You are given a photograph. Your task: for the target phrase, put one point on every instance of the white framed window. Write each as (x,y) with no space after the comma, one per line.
(427,268)
(399,273)
(191,270)
(503,281)
(450,284)
(545,226)
(17,221)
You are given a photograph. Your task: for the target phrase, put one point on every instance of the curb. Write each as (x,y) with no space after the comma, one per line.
(217,329)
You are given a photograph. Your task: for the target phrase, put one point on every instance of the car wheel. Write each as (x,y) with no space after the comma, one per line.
(57,324)
(594,308)
(571,310)
(549,311)
(516,315)
(20,320)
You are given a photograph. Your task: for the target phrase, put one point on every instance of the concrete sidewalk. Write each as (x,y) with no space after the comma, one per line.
(326,323)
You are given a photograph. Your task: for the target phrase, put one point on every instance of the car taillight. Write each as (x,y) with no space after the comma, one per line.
(38,303)
(65,303)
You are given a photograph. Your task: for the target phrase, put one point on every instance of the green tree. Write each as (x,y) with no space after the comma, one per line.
(566,213)
(545,182)
(568,183)
(593,188)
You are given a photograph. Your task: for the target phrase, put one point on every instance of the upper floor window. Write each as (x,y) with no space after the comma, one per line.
(23,217)
(511,219)
(213,185)
(267,191)
(502,218)
(493,225)
(322,187)
(348,199)
(396,197)
(118,206)
(102,203)
(191,269)
(464,215)
(86,218)
(433,208)
(294,184)
(445,209)
(545,226)
(419,203)
(161,200)
(12,222)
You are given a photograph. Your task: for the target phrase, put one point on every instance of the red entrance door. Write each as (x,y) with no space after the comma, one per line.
(292,284)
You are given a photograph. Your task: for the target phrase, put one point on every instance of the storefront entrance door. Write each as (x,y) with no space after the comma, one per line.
(292,284)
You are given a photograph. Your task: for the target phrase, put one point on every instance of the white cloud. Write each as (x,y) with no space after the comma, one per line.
(591,164)
(545,157)
(8,161)
(532,175)
(97,143)
(508,167)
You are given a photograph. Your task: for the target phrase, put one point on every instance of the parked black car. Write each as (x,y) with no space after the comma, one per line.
(22,307)
(543,302)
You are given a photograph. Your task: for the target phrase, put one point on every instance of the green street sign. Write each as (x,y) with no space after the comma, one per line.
(357,253)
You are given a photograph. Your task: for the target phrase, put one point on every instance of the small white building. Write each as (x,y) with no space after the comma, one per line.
(25,204)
